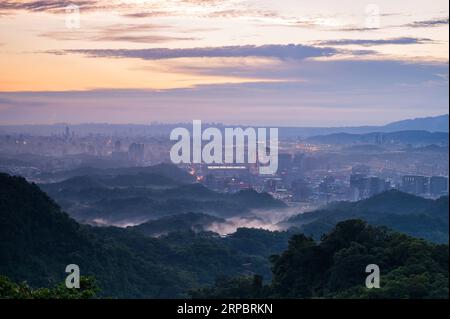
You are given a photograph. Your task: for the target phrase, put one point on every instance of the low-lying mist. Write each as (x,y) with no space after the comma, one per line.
(269,219)
(262,219)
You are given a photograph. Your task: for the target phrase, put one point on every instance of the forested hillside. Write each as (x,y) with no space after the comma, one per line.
(335,268)
(413,215)
(38,240)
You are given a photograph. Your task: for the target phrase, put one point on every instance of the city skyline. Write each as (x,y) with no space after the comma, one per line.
(293,63)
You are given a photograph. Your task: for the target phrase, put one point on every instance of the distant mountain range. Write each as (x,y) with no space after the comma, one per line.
(431,124)
(417,138)
(124,196)
(165,199)
(141,175)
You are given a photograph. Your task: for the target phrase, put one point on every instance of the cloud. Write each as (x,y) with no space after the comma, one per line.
(437,22)
(225,9)
(142,38)
(144,8)
(307,93)
(210,12)
(239,13)
(45,5)
(137,33)
(145,14)
(367,42)
(291,51)
(354,29)
(327,75)
(76,36)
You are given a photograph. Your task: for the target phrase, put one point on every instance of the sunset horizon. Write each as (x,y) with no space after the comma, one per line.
(294,64)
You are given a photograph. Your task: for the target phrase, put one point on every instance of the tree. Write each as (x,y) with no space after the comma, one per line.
(11,290)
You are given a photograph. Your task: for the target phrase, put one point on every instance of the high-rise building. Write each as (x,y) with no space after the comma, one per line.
(271,184)
(284,162)
(327,184)
(301,190)
(376,185)
(438,185)
(136,152)
(117,146)
(357,183)
(363,186)
(67,133)
(297,161)
(414,184)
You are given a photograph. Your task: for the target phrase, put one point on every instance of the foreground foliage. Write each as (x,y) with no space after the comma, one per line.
(37,241)
(335,267)
(11,290)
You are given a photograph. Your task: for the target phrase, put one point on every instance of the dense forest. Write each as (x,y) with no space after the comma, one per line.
(121,196)
(37,241)
(335,268)
(12,290)
(409,214)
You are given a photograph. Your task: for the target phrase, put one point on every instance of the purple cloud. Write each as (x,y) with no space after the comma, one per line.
(366,42)
(437,22)
(291,51)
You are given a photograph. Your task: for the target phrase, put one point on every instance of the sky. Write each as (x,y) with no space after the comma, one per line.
(255,62)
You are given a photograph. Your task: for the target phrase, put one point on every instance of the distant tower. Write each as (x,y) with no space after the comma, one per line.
(117,146)
(136,152)
(67,133)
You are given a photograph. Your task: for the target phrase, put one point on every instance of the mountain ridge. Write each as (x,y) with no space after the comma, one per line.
(411,137)
(431,123)
(413,215)
(38,240)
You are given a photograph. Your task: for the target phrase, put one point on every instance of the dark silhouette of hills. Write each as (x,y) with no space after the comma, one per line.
(106,181)
(335,267)
(196,222)
(416,216)
(133,199)
(38,240)
(168,170)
